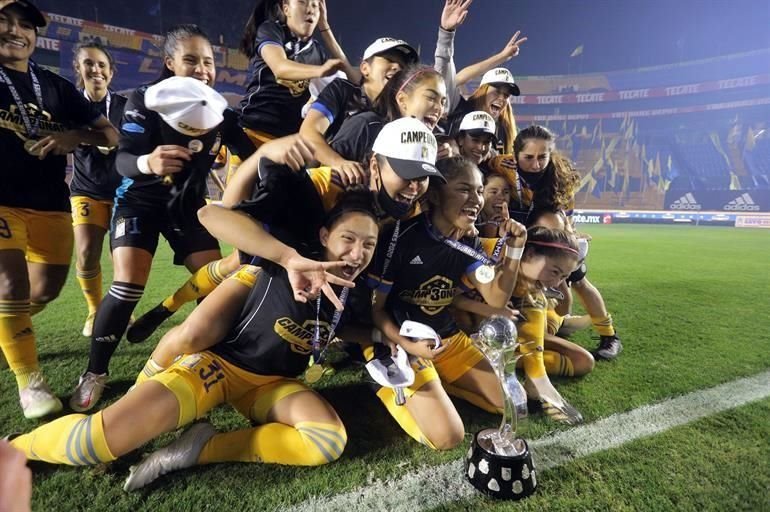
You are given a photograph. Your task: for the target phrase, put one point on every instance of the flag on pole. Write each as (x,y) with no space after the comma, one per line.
(577,51)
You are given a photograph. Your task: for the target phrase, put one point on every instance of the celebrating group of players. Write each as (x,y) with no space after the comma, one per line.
(394,198)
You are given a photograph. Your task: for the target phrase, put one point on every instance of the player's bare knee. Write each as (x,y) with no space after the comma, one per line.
(191,337)
(583,363)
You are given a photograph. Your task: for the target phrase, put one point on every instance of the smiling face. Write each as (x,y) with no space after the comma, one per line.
(542,272)
(379,69)
(94,69)
(301,16)
(193,57)
(497,196)
(352,239)
(458,202)
(406,192)
(17,38)
(474,146)
(426,101)
(495,100)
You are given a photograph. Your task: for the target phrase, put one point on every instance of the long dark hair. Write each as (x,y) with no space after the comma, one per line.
(174,36)
(264,10)
(560,179)
(92,44)
(405,80)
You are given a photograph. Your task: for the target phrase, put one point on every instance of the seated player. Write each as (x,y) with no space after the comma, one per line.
(253,368)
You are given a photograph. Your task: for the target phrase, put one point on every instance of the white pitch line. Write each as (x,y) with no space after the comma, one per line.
(445,483)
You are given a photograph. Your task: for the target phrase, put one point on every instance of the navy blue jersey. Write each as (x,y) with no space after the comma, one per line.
(25,180)
(272,105)
(338,101)
(94,174)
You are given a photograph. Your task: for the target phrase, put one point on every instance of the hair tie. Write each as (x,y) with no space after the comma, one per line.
(556,245)
(418,72)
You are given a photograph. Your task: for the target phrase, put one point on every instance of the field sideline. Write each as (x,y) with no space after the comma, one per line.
(691,307)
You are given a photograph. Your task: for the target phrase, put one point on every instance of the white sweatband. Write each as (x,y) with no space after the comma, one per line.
(376,335)
(513,253)
(143,164)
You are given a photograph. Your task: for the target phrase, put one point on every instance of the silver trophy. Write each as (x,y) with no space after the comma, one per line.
(499,463)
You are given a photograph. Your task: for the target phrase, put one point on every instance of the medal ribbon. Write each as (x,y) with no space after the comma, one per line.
(32,127)
(109,99)
(318,351)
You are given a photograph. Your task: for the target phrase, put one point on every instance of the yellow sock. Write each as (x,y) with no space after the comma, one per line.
(603,325)
(151,368)
(90,282)
(76,440)
(17,340)
(531,335)
(308,444)
(473,398)
(200,284)
(558,364)
(403,417)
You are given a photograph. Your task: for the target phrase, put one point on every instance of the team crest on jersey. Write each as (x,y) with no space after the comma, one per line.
(300,337)
(432,296)
(296,87)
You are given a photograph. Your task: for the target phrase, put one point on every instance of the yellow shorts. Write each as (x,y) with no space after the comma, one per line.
(44,237)
(86,210)
(202,381)
(454,362)
(257,138)
(555,321)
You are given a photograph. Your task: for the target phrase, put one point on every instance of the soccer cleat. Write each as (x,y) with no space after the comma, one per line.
(88,325)
(146,324)
(182,453)
(551,402)
(563,413)
(609,348)
(88,391)
(37,400)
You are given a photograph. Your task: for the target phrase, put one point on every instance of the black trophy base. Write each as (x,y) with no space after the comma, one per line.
(508,477)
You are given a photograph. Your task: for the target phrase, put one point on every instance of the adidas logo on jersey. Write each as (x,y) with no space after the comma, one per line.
(686,202)
(416,260)
(744,203)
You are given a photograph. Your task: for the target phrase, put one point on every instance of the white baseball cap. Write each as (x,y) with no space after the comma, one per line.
(187,105)
(498,77)
(478,121)
(410,148)
(384,44)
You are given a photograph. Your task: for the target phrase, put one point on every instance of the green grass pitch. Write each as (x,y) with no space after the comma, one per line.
(690,303)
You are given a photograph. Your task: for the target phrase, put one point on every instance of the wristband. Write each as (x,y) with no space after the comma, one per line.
(143,164)
(376,335)
(513,253)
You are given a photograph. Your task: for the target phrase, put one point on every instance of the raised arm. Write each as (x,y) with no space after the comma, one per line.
(353,73)
(510,50)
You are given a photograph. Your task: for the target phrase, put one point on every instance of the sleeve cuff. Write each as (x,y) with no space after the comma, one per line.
(143,164)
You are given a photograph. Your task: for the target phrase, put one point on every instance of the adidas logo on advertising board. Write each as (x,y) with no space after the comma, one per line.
(686,202)
(743,203)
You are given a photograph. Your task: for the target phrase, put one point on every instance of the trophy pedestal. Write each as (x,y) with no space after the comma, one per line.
(510,477)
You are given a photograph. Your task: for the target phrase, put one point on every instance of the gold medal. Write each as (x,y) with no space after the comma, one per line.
(485,274)
(28,148)
(314,373)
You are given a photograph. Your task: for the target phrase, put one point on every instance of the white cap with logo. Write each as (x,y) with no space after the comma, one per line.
(500,77)
(478,121)
(384,44)
(410,148)
(187,105)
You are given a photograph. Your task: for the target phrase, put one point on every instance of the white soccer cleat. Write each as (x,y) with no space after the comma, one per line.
(88,325)
(37,400)
(88,391)
(182,453)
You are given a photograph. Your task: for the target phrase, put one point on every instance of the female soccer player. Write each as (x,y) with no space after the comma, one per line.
(398,180)
(46,118)
(253,368)
(429,260)
(283,58)
(164,185)
(541,178)
(94,178)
